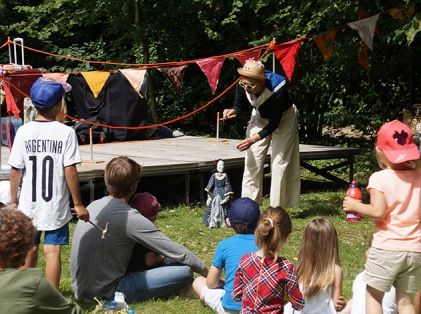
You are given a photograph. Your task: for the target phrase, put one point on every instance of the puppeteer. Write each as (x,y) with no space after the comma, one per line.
(219,194)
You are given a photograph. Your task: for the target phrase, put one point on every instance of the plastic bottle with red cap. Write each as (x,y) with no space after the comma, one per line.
(354,191)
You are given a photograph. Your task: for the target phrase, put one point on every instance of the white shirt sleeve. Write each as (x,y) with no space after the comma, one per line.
(16,158)
(71,153)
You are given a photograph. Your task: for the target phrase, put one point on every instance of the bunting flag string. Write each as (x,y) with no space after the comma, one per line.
(286,54)
(364,26)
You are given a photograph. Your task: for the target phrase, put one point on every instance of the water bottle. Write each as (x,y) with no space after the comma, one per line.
(118,305)
(110,307)
(354,191)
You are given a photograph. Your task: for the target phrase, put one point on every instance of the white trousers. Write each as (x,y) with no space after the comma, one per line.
(285,161)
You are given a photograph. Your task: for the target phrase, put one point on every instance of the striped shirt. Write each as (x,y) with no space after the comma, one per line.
(261,284)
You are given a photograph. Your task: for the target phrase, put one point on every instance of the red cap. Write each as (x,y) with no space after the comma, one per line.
(395,139)
(146,204)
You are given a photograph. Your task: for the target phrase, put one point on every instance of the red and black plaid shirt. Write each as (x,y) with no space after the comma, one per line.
(260,284)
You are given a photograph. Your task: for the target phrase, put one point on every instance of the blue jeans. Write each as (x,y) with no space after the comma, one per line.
(157,282)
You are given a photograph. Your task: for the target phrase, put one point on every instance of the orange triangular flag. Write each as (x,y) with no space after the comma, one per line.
(324,42)
(401,14)
(135,78)
(211,67)
(242,56)
(95,80)
(286,54)
(363,55)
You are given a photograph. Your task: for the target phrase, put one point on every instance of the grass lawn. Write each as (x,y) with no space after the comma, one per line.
(183,225)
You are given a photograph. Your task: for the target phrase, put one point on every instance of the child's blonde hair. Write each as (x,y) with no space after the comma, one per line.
(272,231)
(384,163)
(318,256)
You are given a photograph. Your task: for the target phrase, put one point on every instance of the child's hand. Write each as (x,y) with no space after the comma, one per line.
(350,204)
(13,206)
(340,303)
(82,213)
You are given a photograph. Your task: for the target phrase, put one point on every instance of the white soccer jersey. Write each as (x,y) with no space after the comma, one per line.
(42,149)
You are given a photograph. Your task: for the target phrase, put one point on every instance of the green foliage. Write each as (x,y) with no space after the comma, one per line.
(336,93)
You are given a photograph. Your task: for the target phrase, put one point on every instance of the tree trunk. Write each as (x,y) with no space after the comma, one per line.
(139,21)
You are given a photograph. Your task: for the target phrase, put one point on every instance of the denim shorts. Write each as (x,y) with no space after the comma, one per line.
(54,237)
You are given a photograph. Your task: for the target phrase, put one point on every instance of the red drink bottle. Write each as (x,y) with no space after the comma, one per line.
(354,191)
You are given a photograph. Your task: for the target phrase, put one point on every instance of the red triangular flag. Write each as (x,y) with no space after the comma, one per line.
(11,105)
(211,67)
(242,56)
(286,54)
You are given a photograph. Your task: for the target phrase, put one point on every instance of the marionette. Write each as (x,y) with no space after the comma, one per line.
(219,194)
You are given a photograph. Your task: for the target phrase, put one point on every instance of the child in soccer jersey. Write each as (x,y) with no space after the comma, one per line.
(44,155)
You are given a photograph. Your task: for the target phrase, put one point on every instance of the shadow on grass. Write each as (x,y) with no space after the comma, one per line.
(314,186)
(319,198)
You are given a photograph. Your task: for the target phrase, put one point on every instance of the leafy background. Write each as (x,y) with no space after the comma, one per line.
(336,93)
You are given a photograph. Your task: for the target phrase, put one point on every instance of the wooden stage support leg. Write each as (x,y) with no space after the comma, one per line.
(91,183)
(201,186)
(187,188)
(351,161)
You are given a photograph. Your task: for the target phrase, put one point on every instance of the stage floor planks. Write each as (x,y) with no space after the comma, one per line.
(189,154)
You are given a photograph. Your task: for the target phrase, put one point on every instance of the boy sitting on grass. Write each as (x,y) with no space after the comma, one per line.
(212,290)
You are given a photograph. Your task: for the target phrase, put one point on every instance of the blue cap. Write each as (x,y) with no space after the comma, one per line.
(246,211)
(46,93)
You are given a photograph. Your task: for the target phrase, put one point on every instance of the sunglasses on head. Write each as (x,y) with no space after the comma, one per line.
(247,85)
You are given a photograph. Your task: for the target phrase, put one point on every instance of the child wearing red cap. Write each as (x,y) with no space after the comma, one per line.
(395,205)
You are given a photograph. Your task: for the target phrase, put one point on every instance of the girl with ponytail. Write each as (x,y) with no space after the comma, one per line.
(263,278)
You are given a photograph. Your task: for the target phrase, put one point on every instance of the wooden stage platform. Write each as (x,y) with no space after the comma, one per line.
(189,156)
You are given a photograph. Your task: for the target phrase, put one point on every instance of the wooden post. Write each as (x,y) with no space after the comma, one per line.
(217,125)
(91,143)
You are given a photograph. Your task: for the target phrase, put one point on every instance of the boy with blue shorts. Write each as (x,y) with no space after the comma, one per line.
(212,290)
(44,155)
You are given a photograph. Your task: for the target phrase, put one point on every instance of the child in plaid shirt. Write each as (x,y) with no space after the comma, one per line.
(263,278)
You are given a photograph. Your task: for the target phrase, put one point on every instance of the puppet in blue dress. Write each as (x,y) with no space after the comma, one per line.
(219,193)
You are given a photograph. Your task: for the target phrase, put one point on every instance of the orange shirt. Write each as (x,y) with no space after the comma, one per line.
(400,228)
